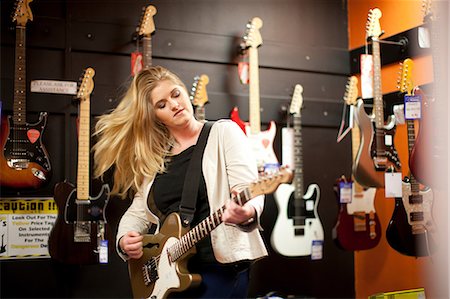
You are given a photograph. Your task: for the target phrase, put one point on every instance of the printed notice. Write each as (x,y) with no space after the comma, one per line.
(53,86)
(25,225)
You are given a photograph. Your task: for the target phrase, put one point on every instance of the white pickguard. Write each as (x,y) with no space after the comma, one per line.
(362,201)
(167,273)
(262,145)
(425,207)
(283,237)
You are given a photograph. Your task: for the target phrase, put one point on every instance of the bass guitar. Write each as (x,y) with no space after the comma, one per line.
(199,96)
(298,223)
(377,153)
(261,141)
(24,161)
(163,267)
(81,223)
(411,230)
(358,226)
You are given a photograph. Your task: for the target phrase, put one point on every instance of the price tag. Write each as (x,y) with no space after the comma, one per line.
(317,250)
(393,184)
(345,192)
(103,252)
(287,148)
(413,107)
(366,76)
(137,63)
(243,69)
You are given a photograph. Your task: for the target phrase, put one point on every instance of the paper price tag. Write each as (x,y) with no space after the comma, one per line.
(393,184)
(103,252)
(317,250)
(366,76)
(345,192)
(413,107)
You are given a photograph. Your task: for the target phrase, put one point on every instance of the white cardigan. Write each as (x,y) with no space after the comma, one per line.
(227,163)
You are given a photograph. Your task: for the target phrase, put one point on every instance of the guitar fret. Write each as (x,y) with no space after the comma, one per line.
(19,106)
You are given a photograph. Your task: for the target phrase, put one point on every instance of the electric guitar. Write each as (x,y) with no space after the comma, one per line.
(3,246)
(411,230)
(24,161)
(430,150)
(81,223)
(146,28)
(358,226)
(377,153)
(298,223)
(261,141)
(199,96)
(163,267)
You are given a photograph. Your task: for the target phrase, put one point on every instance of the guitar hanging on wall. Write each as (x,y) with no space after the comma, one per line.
(377,153)
(199,96)
(411,230)
(81,223)
(163,268)
(146,28)
(358,226)
(261,141)
(298,223)
(24,162)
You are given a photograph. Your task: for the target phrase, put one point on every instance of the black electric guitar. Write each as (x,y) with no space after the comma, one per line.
(145,30)
(411,230)
(81,221)
(163,267)
(24,161)
(377,153)
(3,246)
(298,224)
(261,141)
(199,96)
(358,226)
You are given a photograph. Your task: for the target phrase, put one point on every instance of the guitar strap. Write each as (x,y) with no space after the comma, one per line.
(191,181)
(192,178)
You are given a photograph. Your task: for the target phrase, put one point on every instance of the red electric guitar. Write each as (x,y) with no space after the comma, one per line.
(24,161)
(358,226)
(261,141)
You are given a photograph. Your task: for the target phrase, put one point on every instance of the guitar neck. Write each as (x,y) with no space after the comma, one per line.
(415,188)
(19,106)
(356,135)
(147,51)
(298,157)
(254,108)
(83,149)
(377,91)
(200,113)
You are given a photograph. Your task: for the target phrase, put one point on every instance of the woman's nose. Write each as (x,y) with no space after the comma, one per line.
(174,104)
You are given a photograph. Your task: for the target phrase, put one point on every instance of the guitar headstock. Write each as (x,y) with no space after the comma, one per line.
(373,28)
(147,25)
(268,183)
(405,83)
(87,84)
(22,12)
(252,37)
(351,91)
(199,96)
(297,100)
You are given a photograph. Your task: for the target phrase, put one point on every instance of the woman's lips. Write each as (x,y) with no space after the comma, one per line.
(178,112)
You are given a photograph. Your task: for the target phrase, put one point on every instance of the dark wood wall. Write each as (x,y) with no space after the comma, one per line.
(304,42)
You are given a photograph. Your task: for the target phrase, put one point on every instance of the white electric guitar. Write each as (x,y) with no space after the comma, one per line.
(298,223)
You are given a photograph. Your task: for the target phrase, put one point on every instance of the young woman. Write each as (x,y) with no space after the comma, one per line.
(149,140)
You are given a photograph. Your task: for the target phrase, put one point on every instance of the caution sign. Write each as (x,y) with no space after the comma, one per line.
(25,225)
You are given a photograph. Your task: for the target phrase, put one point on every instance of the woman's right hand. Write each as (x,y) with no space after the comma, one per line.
(131,244)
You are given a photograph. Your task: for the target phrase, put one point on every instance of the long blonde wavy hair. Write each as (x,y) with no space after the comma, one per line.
(130,138)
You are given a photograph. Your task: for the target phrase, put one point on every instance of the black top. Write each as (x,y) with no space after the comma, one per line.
(167,191)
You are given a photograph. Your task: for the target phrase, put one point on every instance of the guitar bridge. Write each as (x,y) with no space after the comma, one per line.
(82,232)
(380,162)
(150,271)
(359,221)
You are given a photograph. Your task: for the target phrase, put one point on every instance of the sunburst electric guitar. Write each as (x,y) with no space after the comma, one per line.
(377,153)
(81,222)
(163,267)
(24,161)
(261,141)
(357,226)
(298,223)
(199,96)
(411,230)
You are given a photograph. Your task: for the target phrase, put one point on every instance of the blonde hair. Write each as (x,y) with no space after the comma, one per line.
(130,137)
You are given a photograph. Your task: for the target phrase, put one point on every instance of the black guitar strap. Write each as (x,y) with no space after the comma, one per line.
(192,179)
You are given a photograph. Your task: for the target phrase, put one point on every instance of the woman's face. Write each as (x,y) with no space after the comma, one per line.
(171,104)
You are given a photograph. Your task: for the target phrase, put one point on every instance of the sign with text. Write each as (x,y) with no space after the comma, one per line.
(25,225)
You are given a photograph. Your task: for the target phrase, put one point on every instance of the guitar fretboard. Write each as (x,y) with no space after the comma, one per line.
(298,158)
(377,92)
(147,48)
(19,106)
(254,105)
(83,149)
(415,188)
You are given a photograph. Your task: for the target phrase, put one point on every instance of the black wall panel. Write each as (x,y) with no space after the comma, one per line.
(304,42)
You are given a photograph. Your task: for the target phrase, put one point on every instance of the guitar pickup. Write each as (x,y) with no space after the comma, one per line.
(18,164)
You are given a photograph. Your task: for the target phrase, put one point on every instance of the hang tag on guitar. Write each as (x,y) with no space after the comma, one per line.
(287,148)
(317,250)
(393,184)
(243,69)
(137,63)
(413,109)
(345,192)
(103,252)
(366,76)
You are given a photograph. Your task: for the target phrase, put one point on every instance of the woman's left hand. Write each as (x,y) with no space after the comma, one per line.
(237,214)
